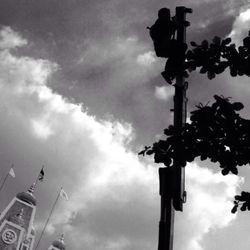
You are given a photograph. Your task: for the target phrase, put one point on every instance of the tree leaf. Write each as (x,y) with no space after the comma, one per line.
(194,44)
(226,41)
(234,209)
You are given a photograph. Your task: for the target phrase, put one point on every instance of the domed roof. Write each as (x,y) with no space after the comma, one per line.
(59,243)
(28,196)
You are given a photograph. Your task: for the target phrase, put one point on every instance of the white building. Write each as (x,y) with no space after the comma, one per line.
(16,224)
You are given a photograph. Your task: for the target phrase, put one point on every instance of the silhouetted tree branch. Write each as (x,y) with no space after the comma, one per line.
(243,200)
(216,132)
(220,54)
(214,58)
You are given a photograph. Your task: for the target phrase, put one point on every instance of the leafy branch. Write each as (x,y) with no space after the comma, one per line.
(216,132)
(243,200)
(214,58)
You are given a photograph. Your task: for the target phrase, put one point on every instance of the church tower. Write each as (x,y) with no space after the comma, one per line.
(16,222)
(58,244)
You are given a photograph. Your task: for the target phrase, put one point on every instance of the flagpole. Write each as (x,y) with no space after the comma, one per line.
(6,177)
(47,221)
(38,176)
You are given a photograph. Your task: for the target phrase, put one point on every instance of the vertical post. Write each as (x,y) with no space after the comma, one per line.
(2,185)
(180,103)
(172,179)
(166,224)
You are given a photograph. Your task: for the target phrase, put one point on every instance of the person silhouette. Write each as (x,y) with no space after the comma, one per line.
(162,32)
(166,46)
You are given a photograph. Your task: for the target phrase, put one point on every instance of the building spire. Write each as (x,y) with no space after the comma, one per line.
(28,196)
(61,239)
(32,188)
(58,244)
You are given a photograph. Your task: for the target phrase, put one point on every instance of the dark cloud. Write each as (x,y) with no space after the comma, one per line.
(82,37)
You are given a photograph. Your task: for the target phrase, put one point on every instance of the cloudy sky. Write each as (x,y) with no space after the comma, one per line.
(81,93)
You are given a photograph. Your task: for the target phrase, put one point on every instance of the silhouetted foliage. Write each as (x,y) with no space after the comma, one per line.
(216,132)
(243,200)
(213,58)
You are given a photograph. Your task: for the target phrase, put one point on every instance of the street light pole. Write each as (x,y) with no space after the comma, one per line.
(172,180)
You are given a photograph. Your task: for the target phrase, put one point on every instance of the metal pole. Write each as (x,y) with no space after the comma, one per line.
(47,221)
(179,115)
(172,179)
(166,224)
(6,177)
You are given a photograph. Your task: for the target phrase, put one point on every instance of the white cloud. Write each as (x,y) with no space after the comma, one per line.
(241,26)
(10,39)
(208,207)
(41,129)
(164,92)
(114,201)
(146,59)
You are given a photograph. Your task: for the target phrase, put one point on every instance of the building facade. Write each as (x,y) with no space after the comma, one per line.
(16,224)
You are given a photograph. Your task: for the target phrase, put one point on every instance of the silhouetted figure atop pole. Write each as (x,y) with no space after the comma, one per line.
(166,45)
(162,33)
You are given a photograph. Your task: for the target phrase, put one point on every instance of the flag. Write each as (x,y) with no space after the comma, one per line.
(41,175)
(12,173)
(64,195)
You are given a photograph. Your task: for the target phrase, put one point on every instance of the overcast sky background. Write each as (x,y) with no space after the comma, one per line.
(81,93)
